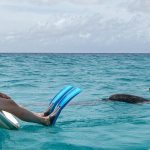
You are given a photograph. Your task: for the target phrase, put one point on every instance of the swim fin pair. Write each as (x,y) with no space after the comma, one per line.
(61,100)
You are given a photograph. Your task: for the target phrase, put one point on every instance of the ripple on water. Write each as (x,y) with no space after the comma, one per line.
(88,122)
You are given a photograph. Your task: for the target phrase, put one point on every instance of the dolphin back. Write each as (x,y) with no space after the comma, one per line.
(128,98)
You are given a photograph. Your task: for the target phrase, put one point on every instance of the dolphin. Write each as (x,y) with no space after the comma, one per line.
(128,98)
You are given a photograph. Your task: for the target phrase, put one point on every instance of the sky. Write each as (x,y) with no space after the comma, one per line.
(75,26)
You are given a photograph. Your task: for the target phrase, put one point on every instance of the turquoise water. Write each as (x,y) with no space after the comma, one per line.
(88,122)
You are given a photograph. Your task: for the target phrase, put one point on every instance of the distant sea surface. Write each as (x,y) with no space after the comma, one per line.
(88,122)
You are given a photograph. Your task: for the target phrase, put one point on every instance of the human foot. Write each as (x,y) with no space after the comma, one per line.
(51,118)
(47,112)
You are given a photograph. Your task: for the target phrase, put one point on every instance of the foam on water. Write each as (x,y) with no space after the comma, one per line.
(88,122)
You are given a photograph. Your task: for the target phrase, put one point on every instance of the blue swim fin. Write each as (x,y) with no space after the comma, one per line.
(58,97)
(65,100)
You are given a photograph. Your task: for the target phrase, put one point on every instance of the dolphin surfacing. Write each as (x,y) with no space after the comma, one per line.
(128,98)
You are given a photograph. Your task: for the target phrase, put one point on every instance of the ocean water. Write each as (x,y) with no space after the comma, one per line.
(88,122)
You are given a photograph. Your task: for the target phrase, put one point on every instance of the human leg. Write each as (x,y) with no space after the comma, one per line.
(2,95)
(22,113)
